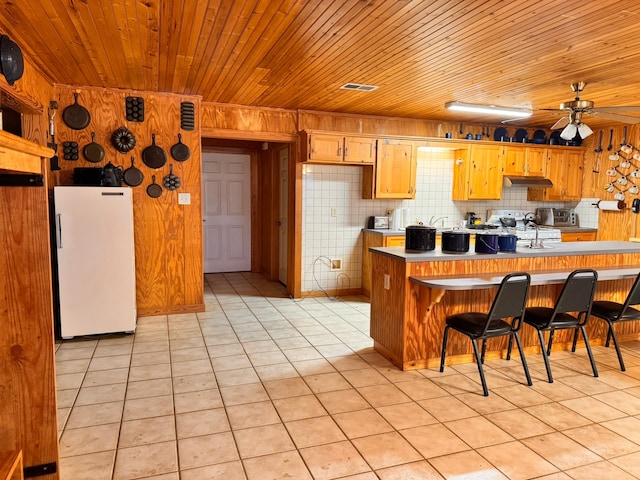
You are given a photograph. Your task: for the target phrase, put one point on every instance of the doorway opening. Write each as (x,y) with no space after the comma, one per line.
(246,198)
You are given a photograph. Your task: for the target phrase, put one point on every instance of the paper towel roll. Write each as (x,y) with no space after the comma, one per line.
(611,205)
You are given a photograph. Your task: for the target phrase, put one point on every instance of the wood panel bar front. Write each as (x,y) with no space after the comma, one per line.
(407,319)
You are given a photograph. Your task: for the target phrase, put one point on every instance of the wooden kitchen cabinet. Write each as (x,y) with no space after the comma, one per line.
(524,161)
(375,240)
(477,173)
(340,149)
(28,410)
(564,167)
(579,236)
(394,173)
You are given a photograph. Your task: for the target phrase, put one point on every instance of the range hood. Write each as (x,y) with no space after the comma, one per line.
(533,182)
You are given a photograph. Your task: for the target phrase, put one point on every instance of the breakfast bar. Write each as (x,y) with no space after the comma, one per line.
(413,293)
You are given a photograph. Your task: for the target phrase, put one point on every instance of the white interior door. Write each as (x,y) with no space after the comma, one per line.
(284,215)
(226,180)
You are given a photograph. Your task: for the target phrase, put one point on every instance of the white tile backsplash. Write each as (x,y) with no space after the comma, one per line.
(324,237)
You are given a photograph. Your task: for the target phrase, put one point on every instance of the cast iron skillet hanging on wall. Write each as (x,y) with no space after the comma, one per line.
(180,151)
(133,176)
(154,156)
(93,151)
(75,116)
(11,60)
(154,190)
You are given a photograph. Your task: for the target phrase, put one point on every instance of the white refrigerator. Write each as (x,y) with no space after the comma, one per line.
(95,260)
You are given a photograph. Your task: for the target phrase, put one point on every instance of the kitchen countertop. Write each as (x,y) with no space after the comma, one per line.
(385,232)
(556,250)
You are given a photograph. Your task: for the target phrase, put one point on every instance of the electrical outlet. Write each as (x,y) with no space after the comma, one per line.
(334,212)
(336,264)
(387,281)
(389,211)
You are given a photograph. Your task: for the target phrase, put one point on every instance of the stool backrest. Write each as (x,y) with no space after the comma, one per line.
(634,294)
(511,299)
(577,293)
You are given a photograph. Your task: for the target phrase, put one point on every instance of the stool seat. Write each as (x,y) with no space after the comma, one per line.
(474,323)
(539,316)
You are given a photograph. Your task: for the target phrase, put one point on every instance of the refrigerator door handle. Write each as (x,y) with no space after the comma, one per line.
(59,230)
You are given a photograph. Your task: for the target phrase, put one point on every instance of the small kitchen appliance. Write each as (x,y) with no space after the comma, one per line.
(564,217)
(544,216)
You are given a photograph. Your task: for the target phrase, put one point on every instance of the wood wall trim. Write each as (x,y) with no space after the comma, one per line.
(151,311)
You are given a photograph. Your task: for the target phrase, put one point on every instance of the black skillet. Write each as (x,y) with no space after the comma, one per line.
(133,176)
(154,190)
(153,156)
(75,116)
(93,151)
(180,151)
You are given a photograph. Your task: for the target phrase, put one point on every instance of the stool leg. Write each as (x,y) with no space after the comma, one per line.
(509,345)
(524,360)
(586,342)
(484,349)
(606,344)
(545,357)
(445,338)
(551,334)
(480,369)
(612,333)
(575,340)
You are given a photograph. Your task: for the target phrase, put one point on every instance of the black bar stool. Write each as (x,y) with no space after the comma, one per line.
(570,312)
(613,312)
(509,302)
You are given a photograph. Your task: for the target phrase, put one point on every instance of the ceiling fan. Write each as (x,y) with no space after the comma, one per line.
(576,109)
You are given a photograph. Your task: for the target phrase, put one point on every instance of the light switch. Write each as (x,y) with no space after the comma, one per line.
(184,199)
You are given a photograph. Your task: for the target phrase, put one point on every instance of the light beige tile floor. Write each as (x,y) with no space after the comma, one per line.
(263,387)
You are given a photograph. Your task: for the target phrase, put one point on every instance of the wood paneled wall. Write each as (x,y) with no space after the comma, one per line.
(168,236)
(612,225)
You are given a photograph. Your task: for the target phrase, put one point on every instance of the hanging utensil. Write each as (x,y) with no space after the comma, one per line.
(624,137)
(598,160)
(93,152)
(180,151)
(123,140)
(610,146)
(171,181)
(461,129)
(53,161)
(154,190)
(75,116)
(153,156)
(133,176)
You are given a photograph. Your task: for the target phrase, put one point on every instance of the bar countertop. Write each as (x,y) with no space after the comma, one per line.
(553,250)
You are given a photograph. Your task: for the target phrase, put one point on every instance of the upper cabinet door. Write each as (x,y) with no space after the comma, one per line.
(395,169)
(326,148)
(535,163)
(485,174)
(360,150)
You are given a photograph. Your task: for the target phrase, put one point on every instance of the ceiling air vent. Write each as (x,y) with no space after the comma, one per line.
(359,86)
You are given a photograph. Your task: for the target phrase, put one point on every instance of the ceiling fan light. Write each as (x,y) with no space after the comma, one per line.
(488,109)
(584,130)
(569,132)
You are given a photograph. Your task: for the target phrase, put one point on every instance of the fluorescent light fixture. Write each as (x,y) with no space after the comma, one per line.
(489,109)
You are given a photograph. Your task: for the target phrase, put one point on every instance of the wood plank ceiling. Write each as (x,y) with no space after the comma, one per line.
(297,53)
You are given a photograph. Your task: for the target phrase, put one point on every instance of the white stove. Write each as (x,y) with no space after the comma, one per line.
(524,228)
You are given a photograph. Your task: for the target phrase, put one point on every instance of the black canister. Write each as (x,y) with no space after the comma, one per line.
(419,238)
(486,243)
(455,241)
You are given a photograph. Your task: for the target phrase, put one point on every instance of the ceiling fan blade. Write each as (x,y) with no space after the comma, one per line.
(562,122)
(616,117)
(629,108)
